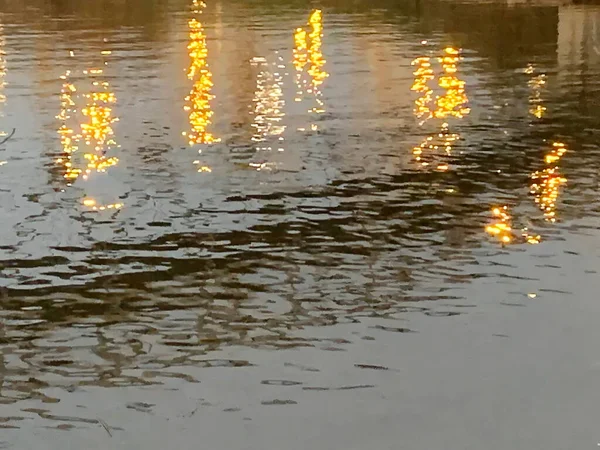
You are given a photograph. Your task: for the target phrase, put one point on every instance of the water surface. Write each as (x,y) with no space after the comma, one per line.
(260,224)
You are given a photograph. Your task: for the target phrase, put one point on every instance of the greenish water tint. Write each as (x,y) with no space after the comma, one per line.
(260,224)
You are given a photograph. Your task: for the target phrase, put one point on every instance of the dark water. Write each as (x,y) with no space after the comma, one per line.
(331,225)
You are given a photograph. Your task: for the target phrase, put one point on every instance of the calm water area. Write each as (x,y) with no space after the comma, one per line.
(329,225)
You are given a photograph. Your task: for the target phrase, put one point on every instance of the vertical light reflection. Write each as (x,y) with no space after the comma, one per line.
(310,63)
(536,84)
(69,140)
(198,101)
(87,128)
(268,110)
(546,183)
(3,133)
(300,61)
(450,104)
(423,74)
(2,72)
(97,131)
(316,59)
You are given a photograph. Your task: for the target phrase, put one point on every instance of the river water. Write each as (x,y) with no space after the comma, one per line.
(250,224)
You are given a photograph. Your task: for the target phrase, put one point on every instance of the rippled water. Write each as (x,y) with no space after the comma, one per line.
(262,224)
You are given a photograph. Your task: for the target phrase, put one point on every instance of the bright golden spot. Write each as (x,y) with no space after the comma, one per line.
(198,100)
(501,228)
(94,206)
(533,239)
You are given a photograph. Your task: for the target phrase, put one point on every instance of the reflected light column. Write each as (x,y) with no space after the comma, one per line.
(450,104)
(300,61)
(2,72)
(269,112)
(317,62)
(88,128)
(3,133)
(198,101)
(545,184)
(536,84)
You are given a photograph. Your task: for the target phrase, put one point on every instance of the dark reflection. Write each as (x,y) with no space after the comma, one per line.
(382,175)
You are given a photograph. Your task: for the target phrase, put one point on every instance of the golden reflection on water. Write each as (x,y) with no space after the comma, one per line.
(300,55)
(450,104)
(308,52)
(68,138)
(317,61)
(88,128)
(545,187)
(502,228)
(423,74)
(546,183)
(198,101)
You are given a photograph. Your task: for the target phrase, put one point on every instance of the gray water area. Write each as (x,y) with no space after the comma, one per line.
(251,224)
